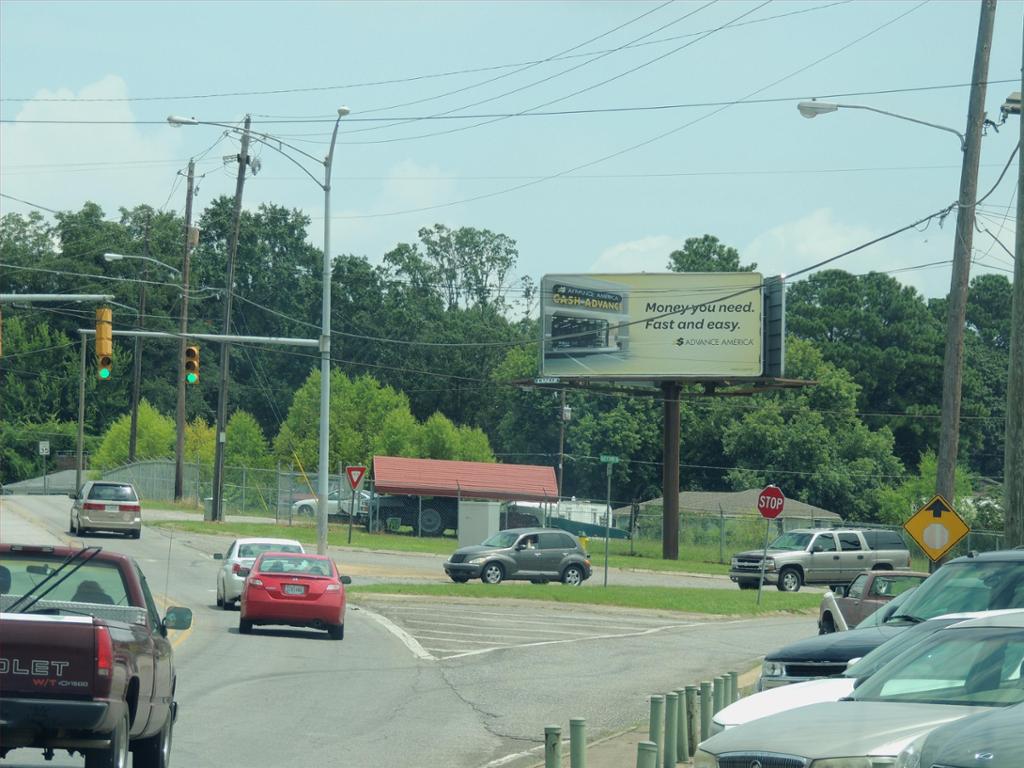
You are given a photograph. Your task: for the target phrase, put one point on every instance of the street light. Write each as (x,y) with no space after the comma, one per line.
(323,480)
(813,108)
(133,429)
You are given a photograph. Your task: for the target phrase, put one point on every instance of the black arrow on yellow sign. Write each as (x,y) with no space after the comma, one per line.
(938,506)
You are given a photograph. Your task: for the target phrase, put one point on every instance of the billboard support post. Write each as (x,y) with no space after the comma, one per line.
(670,471)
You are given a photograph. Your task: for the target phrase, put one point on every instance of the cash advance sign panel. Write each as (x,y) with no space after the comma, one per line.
(652,325)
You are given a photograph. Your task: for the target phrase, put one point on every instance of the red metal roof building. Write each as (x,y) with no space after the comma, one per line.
(464,479)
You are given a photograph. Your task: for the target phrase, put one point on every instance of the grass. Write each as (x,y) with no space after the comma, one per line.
(647,554)
(719,602)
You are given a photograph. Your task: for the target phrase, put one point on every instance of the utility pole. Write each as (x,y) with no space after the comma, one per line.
(1013,457)
(952,376)
(563,416)
(225,347)
(670,470)
(179,442)
(137,362)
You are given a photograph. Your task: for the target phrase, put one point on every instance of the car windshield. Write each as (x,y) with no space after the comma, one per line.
(890,649)
(970,585)
(973,666)
(255,550)
(501,540)
(886,610)
(112,492)
(791,540)
(295,566)
(96,582)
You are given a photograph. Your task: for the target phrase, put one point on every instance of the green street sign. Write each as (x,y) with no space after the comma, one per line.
(608,459)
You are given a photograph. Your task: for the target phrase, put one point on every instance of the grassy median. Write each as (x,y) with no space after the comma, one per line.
(719,602)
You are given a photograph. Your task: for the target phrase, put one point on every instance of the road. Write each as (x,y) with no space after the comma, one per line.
(416,682)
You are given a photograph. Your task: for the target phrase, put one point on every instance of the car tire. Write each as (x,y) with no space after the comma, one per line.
(789,580)
(747,584)
(220,596)
(134,534)
(431,523)
(572,575)
(71,527)
(827,625)
(460,579)
(244,627)
(116,755)
(227,605)
(306,509)
(336,631)
(492,573)
(155,751)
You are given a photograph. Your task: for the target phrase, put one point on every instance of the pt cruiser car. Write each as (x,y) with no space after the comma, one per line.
(528,554)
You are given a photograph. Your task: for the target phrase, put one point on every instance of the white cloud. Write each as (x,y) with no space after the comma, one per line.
(648,254)
(61,166)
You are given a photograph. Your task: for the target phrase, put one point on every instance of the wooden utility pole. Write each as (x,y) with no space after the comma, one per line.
(133,430)
(179,443)
(670,471)
(952,377)
(1013,462)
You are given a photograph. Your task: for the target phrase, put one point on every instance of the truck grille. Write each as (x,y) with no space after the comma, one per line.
(815,670)
(762,759)
(457,559)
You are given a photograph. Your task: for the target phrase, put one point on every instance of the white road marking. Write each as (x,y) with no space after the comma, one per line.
(511,758)
(408,640)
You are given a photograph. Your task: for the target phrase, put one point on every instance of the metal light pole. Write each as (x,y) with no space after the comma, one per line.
(179,414)
(323,479)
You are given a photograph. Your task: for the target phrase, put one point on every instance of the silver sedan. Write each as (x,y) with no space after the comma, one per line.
(239,559)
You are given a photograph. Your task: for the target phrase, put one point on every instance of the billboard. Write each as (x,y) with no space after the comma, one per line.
(635,326)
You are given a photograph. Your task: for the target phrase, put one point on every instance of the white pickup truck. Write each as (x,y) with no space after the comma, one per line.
(820,556)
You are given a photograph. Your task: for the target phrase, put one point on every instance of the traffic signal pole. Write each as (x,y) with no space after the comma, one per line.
(179,413)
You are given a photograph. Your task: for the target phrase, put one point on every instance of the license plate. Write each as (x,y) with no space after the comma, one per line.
(294,589)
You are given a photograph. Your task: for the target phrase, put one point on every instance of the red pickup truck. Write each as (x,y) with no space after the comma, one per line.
(85,661)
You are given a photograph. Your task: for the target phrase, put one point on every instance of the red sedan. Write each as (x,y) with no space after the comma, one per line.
(298,590)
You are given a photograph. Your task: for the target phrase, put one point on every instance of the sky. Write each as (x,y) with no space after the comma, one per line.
(597,135)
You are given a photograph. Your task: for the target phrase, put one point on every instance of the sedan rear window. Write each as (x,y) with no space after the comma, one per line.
(295,565)
(255,550)
(112,492)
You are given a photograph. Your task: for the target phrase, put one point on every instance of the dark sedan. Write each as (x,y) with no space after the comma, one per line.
(988,740)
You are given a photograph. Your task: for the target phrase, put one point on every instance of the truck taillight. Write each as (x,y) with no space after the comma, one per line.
(129,507)
(91,505)
(104,652)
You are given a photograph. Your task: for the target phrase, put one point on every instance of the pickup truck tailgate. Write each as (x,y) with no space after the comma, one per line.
(38,659)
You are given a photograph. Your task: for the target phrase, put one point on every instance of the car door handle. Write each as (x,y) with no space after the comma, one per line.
(860,557)
(835,557)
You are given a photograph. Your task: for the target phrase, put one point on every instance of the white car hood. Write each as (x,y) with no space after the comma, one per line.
(837,729)
(784,698)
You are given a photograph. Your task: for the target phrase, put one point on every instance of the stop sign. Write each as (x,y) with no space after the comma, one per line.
(770,502)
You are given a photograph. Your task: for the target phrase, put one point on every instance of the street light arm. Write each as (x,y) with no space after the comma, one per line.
(120,256)
(963,139)
(266,142)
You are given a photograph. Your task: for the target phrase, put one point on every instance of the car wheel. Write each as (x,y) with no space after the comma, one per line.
(747,584)
(492,573)
(244,627)
(116,755)
(460,579)
(135,534)
(226,604)
(154,752)
(826,626)
(573,576)
(71,527)
(220,596)
(306,509)
(431,523)
(336,631)
(789,580)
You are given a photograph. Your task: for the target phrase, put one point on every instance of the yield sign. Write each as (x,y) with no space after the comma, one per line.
(355,476)
(936,527)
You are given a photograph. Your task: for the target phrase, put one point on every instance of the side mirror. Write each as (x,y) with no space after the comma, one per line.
(178,618)
(346,579)
(841,590)
(817,548)
(73,496)
(218,555)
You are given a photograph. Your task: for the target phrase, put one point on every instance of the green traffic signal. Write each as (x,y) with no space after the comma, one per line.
(104,373)
(104,366)
(191,378)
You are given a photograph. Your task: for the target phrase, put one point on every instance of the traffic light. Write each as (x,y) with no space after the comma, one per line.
(104,343)
(191,364)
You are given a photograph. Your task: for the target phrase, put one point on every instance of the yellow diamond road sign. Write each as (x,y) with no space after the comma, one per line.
(936,527)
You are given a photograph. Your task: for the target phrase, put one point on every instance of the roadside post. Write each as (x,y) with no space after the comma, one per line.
(705,709)
(692,719)
(769,503)
(671,728)
(608,461)
(577,743)
(44,451)
(355,475)
(553,746)
(656,726)
(647,755)
(682,727)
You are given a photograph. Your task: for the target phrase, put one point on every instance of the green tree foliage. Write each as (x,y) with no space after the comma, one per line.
(899,503)
(154,438)
(200,442)
(843,466)
(246,445)
(707,254)
(438,438)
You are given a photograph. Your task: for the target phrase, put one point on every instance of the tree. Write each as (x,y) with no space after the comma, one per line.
(245,445)
(155,438)
(707,254)
(438,438)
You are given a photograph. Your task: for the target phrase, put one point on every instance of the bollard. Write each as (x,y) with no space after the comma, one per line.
(682,727)
(553,746)
(692,719)
(657,725)
(577,743)
(646,755)
(716,694)
(734,690)
(671,722)
(705,709)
